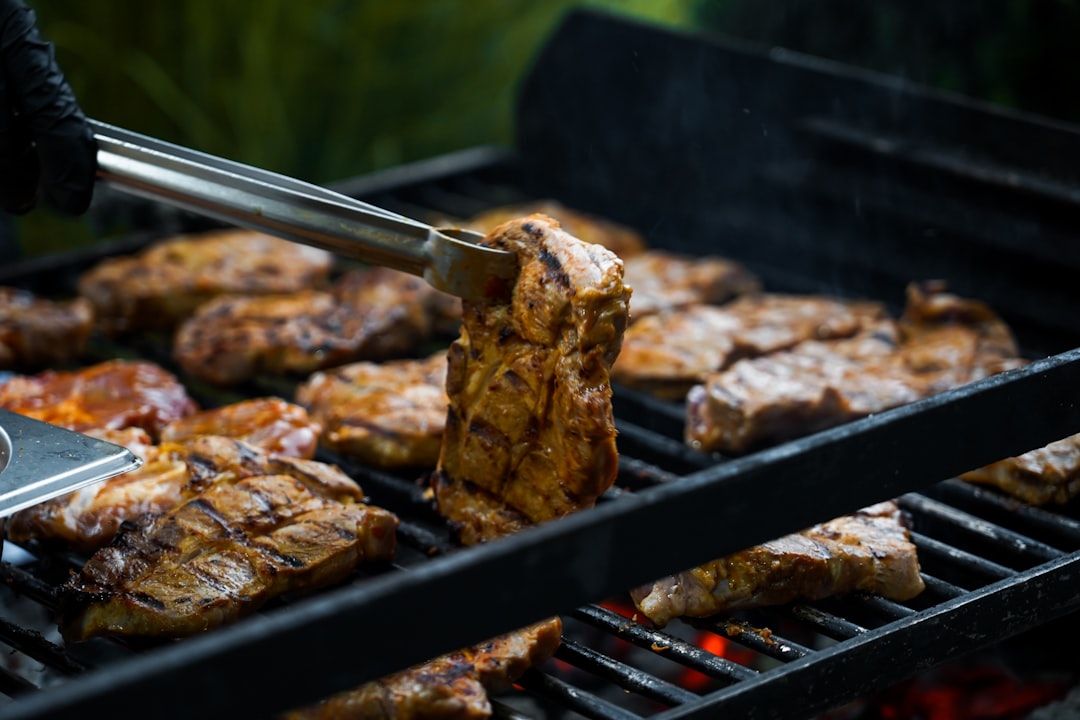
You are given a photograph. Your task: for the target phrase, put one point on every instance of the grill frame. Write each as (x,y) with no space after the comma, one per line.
(543,571)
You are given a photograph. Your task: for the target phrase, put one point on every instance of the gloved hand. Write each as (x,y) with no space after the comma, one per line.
(44,137)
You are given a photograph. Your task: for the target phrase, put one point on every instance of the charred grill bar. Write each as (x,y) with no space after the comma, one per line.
(800,169)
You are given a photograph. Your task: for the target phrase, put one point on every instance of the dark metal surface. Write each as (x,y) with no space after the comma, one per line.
(990,572)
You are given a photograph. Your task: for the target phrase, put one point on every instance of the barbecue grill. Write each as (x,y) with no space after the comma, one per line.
(820,178)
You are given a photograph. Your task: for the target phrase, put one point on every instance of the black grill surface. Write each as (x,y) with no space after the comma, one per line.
(993,568)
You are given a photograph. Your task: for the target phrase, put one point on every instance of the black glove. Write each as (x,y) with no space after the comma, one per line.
(44,137)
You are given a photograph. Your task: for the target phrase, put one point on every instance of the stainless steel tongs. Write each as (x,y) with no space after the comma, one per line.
(448,258)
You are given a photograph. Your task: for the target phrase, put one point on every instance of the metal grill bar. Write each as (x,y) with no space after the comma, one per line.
(626,677)
(988,568)
(572,698)
(827,623)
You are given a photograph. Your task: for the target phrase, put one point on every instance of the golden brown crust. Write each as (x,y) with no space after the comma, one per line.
(270,423)
(1049,474)
(37,332)
(867,551)
(454,686)
(530,434)
(388,414)
(111,395)
(664,281)
(163,284)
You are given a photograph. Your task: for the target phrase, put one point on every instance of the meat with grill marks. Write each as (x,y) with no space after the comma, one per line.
(370,314)
(111,395)
(454,686)
(530,434)
(868,551)
(945,341)
(250,527)
(161,285)
(37,332)
(88,518)
(389,414)
(620,239)
(664,281)
(1049,474)
(668,353)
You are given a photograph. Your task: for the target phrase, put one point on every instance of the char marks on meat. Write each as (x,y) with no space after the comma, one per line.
(370,314)
(944,341)
(454,686)
(530,434)
(111,395)
(251,526)
(36,332)
(668,353)
(867,551)
(388,414)
(164,283)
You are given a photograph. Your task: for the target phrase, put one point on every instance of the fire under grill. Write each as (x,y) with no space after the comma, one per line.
(819,178)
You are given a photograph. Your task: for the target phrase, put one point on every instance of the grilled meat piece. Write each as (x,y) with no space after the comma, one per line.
(369,314)
(450,687)
(530,434)
(164,283)
(1050,474)
(389,414)
(664,281)
(668,353)
(37,332)
(270,423)
(619,239)
(111,395)
(867,551)
(251,526)
(945,341)
(88,518)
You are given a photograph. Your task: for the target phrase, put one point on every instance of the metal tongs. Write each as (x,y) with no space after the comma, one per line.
(448,258)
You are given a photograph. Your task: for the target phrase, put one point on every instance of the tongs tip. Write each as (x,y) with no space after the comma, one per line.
(462,266)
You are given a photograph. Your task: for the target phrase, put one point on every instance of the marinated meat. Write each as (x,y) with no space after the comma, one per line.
(163,284)
(1048,474)
(111,395)
(88,518)
(945,341)
(389,414)
(250,527)
(270,423)
(371,314)
(867,551)
(664,281)
(619,239)
(530,434)
(36,332)
(668,353)
(452,686)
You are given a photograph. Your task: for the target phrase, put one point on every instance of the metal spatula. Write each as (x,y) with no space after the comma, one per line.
(447,258)
(39,461)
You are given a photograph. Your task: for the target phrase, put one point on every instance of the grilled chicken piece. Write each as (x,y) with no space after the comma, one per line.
(619,239)
(37,332)
(371,314)
(867,551)
(1050,474)
(668,353)
(664,281)
(88,518)
(450,687)
(251,526)
(389,414)
(270,423)
(163,284)
(530,434)
(112,395)
(945,341)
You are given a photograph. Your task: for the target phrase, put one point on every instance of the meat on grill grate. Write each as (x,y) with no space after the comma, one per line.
(37,332)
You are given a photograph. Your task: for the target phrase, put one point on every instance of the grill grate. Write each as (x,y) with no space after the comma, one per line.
(984,557)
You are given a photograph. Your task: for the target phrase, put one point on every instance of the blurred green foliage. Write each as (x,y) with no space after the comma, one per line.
(320,89)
